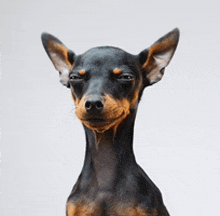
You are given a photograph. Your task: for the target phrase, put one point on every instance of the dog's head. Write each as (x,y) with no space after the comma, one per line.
(106,82)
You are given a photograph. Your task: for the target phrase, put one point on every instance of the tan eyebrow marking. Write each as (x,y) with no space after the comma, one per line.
(82,72)
(117,71)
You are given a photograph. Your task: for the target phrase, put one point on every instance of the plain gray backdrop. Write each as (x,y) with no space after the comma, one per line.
(177,128)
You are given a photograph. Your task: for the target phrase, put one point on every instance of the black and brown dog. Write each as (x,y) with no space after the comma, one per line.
(106,85)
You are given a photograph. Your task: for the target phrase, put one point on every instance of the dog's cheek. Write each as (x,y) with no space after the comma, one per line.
(80,108)
(134,101)
(112,108)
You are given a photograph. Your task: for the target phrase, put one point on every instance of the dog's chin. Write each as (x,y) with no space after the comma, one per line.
(100,125)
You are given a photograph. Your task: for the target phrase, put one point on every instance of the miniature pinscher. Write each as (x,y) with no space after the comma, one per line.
(106,85)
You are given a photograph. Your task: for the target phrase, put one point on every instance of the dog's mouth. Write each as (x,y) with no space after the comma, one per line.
(95,120)
(101,120)
(114,112)
(101,124)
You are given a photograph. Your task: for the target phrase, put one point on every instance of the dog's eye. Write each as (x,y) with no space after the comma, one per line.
(126,77)
(75,78)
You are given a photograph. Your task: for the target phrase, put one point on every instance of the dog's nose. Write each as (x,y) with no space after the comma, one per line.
(94,104)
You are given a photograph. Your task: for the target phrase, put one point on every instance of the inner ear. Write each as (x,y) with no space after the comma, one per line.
(157,57)
(61,57)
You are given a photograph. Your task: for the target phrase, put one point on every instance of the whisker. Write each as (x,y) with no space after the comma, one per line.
(73,109)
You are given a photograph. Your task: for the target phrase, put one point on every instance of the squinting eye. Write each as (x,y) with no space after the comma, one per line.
(126,77)
(75,78)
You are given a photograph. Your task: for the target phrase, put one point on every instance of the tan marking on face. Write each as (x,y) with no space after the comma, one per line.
(115,111)
(159,47)
(80,107)
(115,107)
(117,71)
(82,72)
(125,106)
(134,101)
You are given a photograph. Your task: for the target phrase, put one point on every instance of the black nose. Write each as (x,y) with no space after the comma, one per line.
(94,104)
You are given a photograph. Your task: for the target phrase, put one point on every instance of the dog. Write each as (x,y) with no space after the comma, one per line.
(106,85)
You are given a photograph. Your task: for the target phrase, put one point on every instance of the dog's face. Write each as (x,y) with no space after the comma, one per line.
(106,82)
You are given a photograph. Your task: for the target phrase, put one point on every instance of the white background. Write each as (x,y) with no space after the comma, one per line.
(177,128)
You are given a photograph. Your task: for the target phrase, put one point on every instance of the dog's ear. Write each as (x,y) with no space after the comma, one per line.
(62,57)
(154,59)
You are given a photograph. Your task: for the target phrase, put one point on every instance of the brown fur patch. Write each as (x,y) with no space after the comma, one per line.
(119,109)
(82,209)
(82,72)
(85,208)
(80,107)
(134,211)
(134,101)
(117,71)
(60,51)
(115,111)
(160,47)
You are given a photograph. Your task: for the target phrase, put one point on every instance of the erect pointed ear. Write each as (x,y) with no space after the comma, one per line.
(157,57)
(62,58)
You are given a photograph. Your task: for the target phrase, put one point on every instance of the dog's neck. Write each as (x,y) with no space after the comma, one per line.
(109,154)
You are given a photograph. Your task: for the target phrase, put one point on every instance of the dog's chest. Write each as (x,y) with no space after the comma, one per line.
(107,207)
